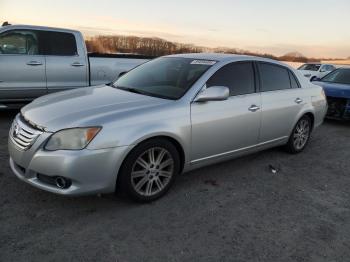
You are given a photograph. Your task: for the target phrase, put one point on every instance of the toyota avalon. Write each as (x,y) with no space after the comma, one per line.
(165,117)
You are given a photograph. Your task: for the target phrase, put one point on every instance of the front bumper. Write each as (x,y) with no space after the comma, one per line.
(90,171)
(338,108)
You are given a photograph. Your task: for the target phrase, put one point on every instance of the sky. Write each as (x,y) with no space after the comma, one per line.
(315,28)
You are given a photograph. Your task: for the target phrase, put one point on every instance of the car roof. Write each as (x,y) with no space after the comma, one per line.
(35,27)
(220,57)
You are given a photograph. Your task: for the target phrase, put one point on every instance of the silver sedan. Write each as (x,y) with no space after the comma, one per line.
(167,116)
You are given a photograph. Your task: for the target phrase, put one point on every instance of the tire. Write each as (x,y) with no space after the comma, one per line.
(300,136)
(149,170)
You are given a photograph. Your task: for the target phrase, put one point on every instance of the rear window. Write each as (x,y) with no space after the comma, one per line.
(293,81)
(59,43)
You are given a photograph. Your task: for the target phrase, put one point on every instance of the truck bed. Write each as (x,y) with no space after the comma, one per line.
(106,67)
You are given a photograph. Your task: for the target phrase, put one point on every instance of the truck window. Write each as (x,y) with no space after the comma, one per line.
(59,43)
(19,42)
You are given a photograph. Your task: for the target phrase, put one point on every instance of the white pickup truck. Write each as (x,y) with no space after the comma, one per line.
(38,60)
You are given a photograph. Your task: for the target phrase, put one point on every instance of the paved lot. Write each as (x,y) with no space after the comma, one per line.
(234,211)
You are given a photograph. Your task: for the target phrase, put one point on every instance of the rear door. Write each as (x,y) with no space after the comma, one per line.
(22,66)
(66,62)
(221,128)
(282,99)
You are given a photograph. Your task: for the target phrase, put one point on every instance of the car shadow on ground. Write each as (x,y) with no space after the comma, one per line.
(205,179)
(338,122)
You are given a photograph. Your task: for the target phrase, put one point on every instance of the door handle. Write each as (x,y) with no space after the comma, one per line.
(34,63)
(253,108)
(298,100)
(77,64)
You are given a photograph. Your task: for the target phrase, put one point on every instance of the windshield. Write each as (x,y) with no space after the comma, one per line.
(310,67)
(340,76)
(166,77)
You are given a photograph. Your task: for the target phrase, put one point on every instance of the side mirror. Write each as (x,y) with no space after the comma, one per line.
(315,79)
(213,93)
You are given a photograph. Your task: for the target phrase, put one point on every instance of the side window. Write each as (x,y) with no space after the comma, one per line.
(19,42)
(293,81)
(59,43)
(238,77)
(273,77)
(330,68)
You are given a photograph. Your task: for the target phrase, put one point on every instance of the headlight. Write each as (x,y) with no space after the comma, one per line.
(72,139)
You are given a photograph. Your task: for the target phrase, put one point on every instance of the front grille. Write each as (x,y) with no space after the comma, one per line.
(336,107)
(23,134)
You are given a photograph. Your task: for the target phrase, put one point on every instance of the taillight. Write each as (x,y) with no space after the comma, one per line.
(323,94)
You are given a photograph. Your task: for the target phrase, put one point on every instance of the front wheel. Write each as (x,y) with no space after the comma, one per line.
(300,135)
(149,170)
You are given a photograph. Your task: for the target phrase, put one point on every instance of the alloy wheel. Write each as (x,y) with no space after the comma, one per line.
(301,134)
(152,171)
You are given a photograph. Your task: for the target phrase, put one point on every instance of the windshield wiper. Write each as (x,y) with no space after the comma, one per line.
(131,89)
(141,92)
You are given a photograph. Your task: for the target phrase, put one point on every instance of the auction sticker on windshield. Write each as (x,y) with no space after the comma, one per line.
(203,62)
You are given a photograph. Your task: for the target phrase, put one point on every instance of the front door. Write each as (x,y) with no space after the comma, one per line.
(22,68)
(221,128)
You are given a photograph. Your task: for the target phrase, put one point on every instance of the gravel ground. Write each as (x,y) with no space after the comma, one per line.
(233,211)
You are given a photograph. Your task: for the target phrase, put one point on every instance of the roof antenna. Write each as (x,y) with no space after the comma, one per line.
(5,23)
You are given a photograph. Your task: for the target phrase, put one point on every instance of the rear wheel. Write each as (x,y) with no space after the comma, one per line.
(149,170)
(300,136)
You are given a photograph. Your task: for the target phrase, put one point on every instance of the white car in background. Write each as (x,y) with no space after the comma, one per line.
(315,71)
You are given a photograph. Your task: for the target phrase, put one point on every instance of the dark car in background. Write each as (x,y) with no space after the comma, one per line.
(337,88)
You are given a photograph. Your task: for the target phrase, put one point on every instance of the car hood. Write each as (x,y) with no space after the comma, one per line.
(334,89)
(87,106)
